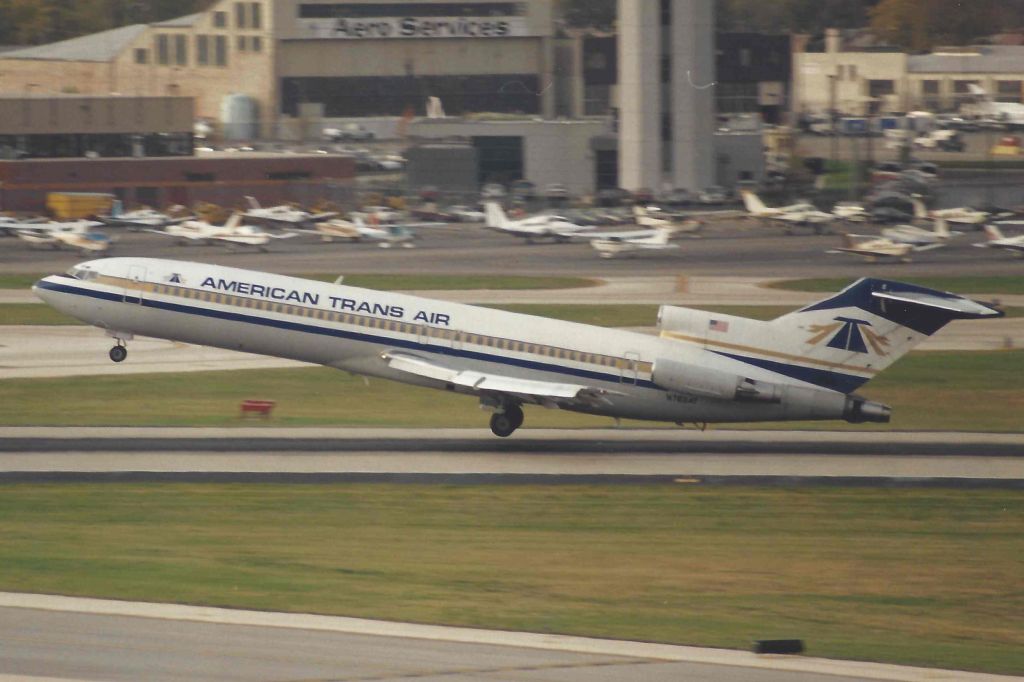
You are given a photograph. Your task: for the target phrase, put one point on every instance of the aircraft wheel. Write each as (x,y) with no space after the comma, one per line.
(118,353)
(516,413)
(503,424)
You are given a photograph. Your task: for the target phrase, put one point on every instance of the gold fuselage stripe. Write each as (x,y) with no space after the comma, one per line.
(768,353)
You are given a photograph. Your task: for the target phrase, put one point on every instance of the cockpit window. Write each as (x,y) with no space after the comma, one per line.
(84,274)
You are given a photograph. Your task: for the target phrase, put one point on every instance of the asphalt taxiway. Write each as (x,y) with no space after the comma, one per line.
(47,638)
(532,455)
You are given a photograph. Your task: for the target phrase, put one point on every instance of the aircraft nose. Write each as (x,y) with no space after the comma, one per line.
(44,289)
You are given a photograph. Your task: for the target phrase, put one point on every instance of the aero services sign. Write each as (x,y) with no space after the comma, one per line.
(415,27)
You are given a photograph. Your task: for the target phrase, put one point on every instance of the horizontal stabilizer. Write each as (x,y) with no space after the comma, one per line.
(959,307)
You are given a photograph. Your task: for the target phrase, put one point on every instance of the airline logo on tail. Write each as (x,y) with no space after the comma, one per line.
(849,335)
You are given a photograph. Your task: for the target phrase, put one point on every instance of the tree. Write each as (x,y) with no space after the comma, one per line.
(33,22)
(589,13)
(922,24)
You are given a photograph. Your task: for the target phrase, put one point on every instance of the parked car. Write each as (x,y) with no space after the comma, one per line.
(493,190)
(676,196)
(465,214)
(348,131)
(556,190)
(613,196)
(712,196)
(523,189)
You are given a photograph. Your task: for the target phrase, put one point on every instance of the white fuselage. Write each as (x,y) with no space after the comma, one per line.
(352,329)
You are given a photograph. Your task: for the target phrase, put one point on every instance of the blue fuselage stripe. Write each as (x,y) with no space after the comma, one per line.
(834,381)
(342,334)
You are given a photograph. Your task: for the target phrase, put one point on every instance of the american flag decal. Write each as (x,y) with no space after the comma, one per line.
(718,325)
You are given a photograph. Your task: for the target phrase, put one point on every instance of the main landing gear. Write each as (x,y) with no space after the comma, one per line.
(119,352)
(507,421)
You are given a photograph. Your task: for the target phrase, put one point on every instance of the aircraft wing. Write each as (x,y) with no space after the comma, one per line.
(547,393)
(413,226)
(165,233)
(625,235)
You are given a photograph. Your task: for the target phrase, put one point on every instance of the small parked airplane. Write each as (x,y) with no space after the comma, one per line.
(919,236)
(704,367)
(356,230)
(873,248)
(963,215)
(652,240)
(283,214)
(643,217)
(76,234)
(541,226)
(141,218)
(851,211)
(232,233)
(802,213)
(997,240)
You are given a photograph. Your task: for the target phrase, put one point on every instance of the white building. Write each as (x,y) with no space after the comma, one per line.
(870,82)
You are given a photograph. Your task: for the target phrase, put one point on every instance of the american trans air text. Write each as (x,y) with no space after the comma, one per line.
(310,298)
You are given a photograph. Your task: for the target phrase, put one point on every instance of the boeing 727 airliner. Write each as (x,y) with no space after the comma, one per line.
(703,367)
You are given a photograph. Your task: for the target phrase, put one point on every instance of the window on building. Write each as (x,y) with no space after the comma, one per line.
(257,16)
(180,50)
(1009,91)
(163,49)
(220,19)
(963,87)
(242,43)
(962,91)
(930,95)
(745,57)
(203,50)
(878,88)
(241,15)
(220,50)
(141,55)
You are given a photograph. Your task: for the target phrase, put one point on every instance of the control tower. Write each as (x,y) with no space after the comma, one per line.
(666,93)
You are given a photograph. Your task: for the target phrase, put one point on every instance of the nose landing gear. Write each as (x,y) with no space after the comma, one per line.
(504,423)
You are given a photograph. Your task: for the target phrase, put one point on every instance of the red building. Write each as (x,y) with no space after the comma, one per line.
(160,182)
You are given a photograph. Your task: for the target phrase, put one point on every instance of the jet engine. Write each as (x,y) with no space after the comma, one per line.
(712,383)
(794,401)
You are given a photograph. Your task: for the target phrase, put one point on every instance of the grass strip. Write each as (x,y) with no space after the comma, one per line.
(958,284)
(933,391)
(923,577)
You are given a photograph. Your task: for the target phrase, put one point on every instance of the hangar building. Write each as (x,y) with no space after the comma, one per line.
(264,64)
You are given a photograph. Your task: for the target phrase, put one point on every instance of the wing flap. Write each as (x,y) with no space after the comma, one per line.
(548,393)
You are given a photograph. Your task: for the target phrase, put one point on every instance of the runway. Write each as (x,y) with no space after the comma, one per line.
(49,638)
(533,455)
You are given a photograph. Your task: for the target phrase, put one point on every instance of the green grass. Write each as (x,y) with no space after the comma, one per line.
(33,313)
(389,282)
(19,280)
(923,577)
(962,285)
(982,391)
